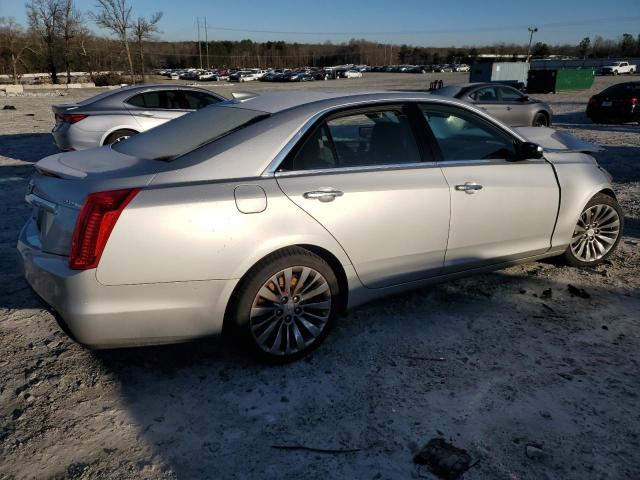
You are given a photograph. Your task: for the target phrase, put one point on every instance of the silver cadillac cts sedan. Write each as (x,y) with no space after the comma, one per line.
(267,215)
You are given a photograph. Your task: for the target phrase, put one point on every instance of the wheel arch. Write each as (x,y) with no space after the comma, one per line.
(323,253)
(608,192)
(115,129)
(546,114)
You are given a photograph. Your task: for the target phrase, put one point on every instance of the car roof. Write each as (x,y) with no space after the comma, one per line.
(274,102)
(118,95)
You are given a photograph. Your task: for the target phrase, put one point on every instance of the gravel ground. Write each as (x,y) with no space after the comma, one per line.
(492,363)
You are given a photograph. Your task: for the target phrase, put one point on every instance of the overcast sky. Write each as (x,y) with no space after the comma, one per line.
(435,23)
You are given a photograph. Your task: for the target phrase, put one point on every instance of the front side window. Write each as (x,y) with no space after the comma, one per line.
(487,94)
(463,136)
(363,139)
(509,94)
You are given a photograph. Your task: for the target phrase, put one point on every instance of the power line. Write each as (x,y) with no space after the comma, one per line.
(598,21)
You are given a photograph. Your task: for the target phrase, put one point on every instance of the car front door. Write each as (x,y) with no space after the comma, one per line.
(487,99)
(517,107)
(156,107)
(501,208)
(363,177)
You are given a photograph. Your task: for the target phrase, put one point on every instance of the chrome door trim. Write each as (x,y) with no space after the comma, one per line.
(366,168)
(282,154)
(36,201)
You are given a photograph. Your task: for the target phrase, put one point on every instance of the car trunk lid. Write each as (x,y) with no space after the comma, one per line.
(62,182)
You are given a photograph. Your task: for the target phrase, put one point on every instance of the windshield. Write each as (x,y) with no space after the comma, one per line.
(185,134)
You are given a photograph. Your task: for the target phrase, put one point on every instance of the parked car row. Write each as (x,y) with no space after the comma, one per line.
(269,75)
(454,67)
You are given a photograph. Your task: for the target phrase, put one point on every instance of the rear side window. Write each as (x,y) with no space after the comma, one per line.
(463,136)
(364,139)
(156,99)
(173,100)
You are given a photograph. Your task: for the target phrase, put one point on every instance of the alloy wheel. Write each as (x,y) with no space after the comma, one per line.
(596,233)
(290,310)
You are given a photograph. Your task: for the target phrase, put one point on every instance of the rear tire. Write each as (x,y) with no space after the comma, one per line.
(540,120)
(597,233)
(118,136)
(285,306)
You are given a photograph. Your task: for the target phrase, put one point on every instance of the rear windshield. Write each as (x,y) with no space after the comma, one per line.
(449,91)
(186,133)
(631,88)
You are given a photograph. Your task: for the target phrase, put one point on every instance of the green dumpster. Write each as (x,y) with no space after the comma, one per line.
(574,79)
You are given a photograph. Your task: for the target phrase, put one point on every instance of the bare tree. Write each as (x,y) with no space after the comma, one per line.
(144,29)
(14,43)
(44,16)
(115,15)
(70,25)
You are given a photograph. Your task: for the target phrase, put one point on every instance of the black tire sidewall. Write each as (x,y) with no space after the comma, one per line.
(540,115)
(117,134)
(598,199)
(242,301)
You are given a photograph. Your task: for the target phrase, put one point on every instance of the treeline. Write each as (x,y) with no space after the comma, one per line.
(58,38)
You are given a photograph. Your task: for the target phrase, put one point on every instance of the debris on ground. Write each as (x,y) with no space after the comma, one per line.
(443,459)
(578,292)
(533,451)
(8,107)
(315,449)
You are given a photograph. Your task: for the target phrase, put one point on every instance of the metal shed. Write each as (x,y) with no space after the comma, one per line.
(511,72)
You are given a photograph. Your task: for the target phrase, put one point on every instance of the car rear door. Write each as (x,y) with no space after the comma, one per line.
(501,209)
(362,175)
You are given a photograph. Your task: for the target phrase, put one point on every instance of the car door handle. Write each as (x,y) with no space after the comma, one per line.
(469,187)
(508,108)
(323,195)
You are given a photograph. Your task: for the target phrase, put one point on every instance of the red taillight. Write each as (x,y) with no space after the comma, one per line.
(634,100)
(95,222)
(593,101)
(73,117)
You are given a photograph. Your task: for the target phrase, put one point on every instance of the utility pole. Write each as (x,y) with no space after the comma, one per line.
(532,30)
(206,42)
(199,43)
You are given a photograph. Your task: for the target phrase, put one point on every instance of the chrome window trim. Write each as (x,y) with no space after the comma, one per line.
(272,168)
(365,168)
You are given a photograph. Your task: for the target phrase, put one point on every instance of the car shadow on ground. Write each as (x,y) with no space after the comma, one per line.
(391,373)
(29,147)
(580,121)
(621,162)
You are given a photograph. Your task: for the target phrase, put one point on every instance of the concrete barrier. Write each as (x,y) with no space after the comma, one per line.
(63,86)
(12,89)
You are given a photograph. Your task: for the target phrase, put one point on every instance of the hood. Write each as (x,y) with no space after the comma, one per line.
(552,140)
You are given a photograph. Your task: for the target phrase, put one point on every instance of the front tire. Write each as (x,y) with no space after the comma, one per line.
(597,233)
(285,305)
(540,120)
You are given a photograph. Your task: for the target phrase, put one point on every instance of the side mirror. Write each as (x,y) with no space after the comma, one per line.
(524,98)
(529,150)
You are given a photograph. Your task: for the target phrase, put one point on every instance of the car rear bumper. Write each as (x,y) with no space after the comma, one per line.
(102,316)
(66,138)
